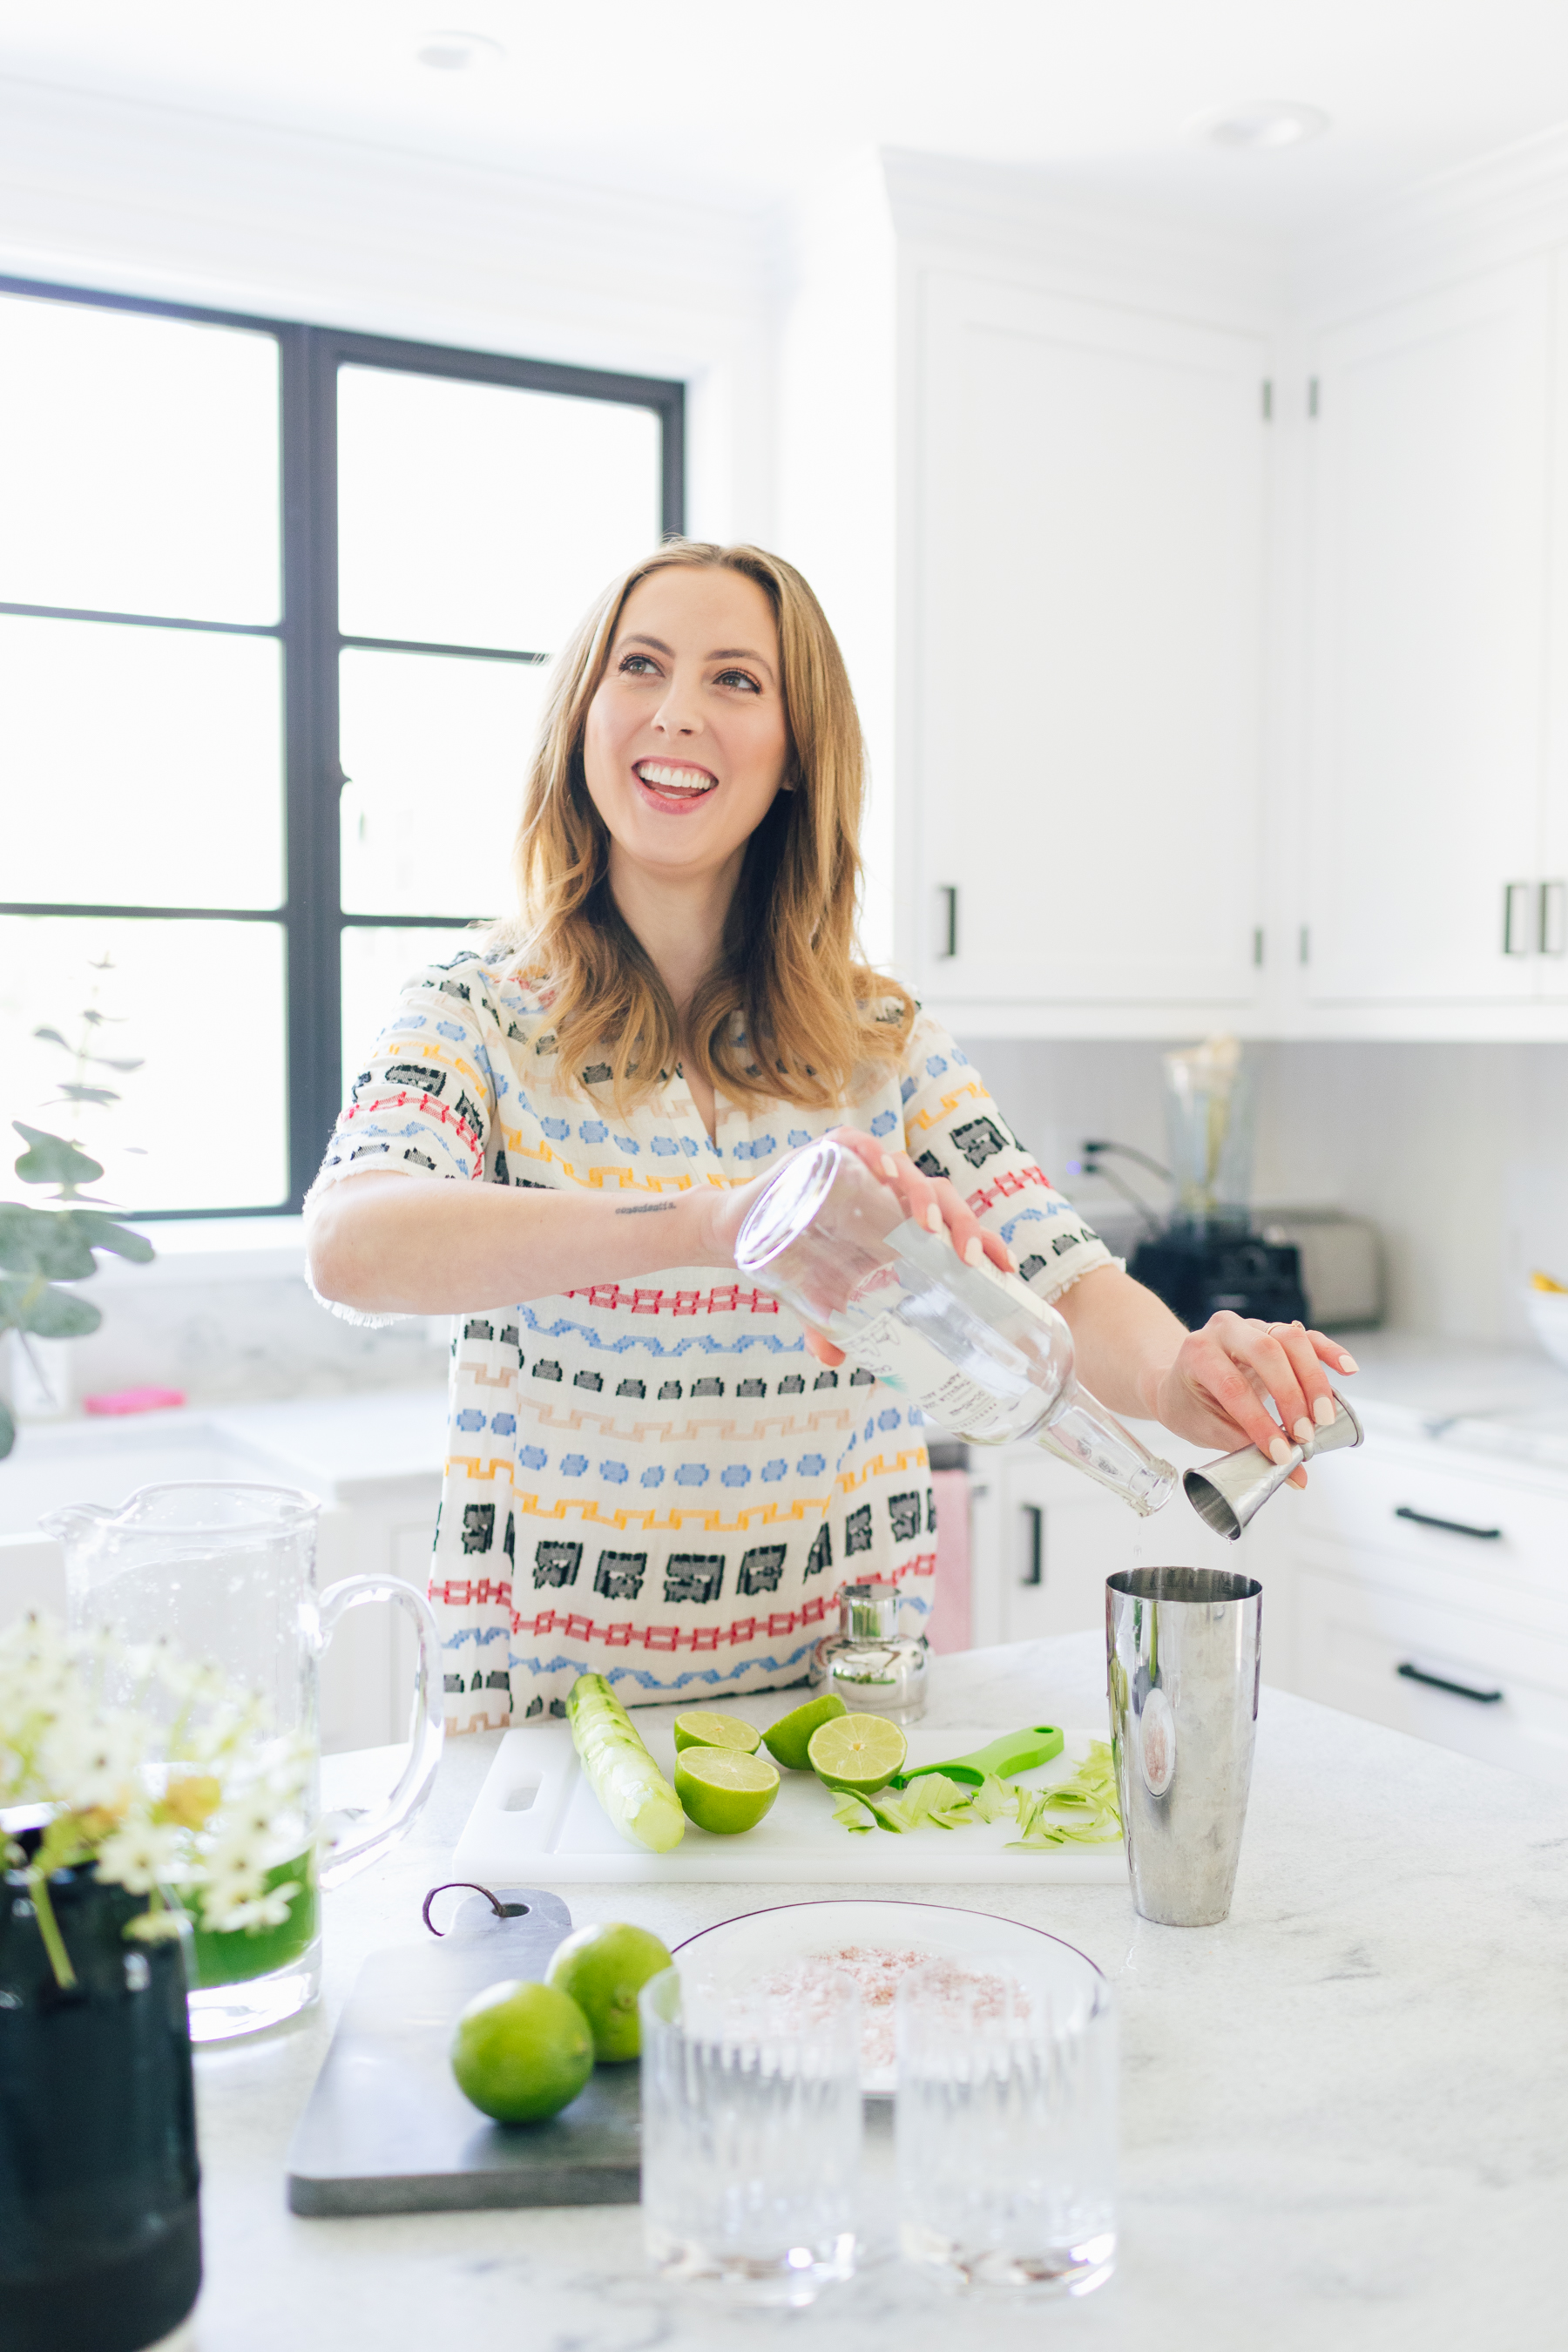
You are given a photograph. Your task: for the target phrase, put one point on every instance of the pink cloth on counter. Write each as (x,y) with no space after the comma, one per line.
(948,1625)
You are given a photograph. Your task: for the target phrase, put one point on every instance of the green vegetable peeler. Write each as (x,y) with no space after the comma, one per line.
(1016,1752)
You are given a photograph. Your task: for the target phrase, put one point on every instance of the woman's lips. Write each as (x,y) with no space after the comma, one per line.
(673,786)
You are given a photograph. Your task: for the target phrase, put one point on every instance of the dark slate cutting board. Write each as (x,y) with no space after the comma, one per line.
(388,2131)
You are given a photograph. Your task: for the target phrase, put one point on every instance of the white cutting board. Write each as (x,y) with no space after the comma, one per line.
(538,1823)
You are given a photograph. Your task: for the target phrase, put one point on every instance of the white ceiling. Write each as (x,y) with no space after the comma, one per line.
(726,99)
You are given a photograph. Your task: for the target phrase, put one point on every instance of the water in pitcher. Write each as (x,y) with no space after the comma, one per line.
(227,1575)
(979,1352)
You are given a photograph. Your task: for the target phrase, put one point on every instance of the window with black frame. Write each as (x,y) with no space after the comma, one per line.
(277,608)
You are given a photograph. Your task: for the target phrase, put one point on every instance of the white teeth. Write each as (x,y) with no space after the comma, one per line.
(674,780)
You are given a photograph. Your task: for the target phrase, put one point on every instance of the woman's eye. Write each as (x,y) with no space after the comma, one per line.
(739,677)
(638,665)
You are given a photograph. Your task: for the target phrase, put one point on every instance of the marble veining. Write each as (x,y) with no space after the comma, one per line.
(1344,2112)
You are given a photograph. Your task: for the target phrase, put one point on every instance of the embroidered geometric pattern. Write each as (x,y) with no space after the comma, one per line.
(656,1480)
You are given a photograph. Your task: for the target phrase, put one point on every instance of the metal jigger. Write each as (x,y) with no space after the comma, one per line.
(1230,1492)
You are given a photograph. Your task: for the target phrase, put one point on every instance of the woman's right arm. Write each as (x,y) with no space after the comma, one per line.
(410,1245)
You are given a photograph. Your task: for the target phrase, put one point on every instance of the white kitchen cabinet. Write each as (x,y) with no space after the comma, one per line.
(1044,1538)
(1431,459)
(1431,1593)
(1087,653)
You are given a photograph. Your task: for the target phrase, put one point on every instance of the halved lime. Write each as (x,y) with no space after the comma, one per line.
(723,1790)
(522,2051)
(700,1730)
(603,1969)
(786,1739)
(859,1753)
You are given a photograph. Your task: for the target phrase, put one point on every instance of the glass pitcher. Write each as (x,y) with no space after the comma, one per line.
(227,1574)
(978,1351)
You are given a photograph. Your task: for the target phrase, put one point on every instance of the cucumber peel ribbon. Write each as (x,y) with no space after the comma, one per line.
(1081,1810)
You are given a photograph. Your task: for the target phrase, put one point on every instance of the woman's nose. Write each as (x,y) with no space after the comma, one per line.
(679,713)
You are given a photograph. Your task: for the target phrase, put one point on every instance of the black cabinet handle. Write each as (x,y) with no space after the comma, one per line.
(1449,1527)
(1412,1674)
(1035,1523)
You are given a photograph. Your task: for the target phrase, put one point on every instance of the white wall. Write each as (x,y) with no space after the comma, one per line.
(1459,1153)
(161,201)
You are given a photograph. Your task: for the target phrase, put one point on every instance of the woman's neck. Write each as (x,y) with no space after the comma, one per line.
(679,921)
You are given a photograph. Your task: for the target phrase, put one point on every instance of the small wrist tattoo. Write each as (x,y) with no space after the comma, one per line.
(646,1208)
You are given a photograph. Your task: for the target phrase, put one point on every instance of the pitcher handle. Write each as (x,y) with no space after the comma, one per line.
(380,1830)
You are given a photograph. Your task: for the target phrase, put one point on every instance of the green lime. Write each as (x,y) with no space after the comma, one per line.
(723,1791)
(698,1730)
(859,1753)
(522,2051)
(786,1740)
(603,1969)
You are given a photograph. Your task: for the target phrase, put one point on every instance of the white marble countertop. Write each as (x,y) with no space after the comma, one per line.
(1344,2112)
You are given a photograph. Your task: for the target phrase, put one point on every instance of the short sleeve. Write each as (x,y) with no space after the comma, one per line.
(953,1129)
(423,1104)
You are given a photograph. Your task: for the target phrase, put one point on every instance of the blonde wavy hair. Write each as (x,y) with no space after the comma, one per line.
(789,1010)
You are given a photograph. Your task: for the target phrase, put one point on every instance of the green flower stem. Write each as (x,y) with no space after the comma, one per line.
(49,1929)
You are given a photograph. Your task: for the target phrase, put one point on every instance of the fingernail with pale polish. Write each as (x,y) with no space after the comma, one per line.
(934,1219)
(974,1251)
(1349,1364)
(890,1165)
(1279,1451)
(1302,1429)
(1326,1411)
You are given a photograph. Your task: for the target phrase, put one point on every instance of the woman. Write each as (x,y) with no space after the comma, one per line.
(655,1472)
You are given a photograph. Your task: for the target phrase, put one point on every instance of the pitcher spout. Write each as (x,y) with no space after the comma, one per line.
(75,1520)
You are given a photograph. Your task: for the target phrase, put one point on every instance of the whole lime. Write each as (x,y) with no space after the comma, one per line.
(603,1969)
(522,2051)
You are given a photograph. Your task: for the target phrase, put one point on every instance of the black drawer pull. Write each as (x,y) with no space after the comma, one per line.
(1449,1527)
(1440,1682)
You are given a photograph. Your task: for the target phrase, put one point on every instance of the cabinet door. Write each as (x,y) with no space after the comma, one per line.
(1088,653)
(1060,1538)
(1430,481)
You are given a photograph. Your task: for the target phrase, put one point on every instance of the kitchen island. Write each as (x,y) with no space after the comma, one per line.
(1344,2113)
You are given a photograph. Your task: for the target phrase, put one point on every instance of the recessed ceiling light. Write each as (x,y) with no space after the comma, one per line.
(1265,123)
(459,52)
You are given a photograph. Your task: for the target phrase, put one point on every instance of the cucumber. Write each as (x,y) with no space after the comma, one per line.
(624,1777)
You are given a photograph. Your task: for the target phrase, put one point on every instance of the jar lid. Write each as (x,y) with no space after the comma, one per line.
(869,1612)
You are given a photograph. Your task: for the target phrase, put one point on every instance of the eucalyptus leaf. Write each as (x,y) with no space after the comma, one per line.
(7,1430)
(109,1061)
(38,1241)
(79,1094)
(52,1314)
(53,1037)
(51,1160)
(107,1234)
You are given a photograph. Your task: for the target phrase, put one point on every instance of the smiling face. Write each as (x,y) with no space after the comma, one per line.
(687,742)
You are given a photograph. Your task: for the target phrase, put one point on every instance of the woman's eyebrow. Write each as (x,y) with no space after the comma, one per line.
(742,653)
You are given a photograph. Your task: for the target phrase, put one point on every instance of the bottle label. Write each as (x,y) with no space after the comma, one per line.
(902,1357)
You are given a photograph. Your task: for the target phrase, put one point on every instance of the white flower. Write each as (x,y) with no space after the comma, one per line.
(267,1910)
(140,1856)
(154,1927)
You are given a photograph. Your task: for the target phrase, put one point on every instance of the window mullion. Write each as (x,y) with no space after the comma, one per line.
(312,775)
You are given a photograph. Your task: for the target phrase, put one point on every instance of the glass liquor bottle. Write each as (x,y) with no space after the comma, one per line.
(975,1349)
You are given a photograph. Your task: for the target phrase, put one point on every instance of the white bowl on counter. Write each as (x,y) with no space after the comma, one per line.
(1548,1313)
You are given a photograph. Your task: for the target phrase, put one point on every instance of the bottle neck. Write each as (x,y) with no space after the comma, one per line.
(1079,1430)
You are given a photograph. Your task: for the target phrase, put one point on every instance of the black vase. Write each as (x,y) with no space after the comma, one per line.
(100,2227)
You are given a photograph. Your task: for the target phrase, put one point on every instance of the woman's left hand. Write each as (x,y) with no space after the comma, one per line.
(1213,1390)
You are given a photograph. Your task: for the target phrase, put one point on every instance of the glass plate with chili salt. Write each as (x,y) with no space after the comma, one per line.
(765,1971)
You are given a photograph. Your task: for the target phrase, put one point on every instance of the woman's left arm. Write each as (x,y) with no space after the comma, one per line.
(1207,1385)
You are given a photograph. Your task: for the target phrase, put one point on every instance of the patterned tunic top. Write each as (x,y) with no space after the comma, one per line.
(654,1480)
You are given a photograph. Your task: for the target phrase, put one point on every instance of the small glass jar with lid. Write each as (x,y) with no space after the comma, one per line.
(869,1664)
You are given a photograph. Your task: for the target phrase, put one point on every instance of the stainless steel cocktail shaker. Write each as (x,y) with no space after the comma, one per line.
(1183,1654)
